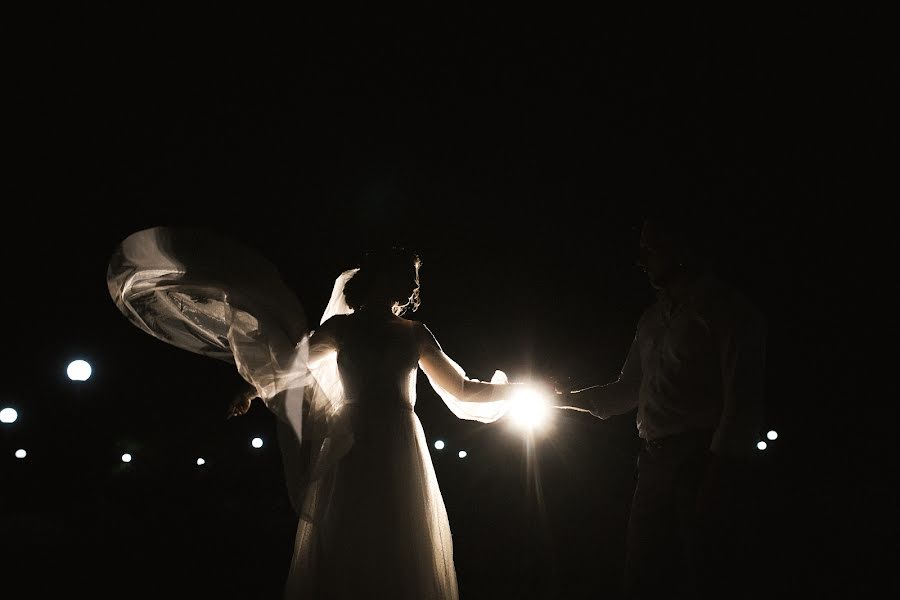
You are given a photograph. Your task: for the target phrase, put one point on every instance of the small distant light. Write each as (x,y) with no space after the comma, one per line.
(761,445)
(79,370)
(21,453)
(200,462)
(772,435)
(126,457)
(463,454)
(439,444)
(8,415)
(257,443)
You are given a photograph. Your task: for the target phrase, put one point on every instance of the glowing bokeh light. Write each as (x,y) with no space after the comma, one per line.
(20,453)
(200,462)
(761,445)
(439,444)
(257,442)
(529,410)
(78,370)
(463,454)
(8,415)
(126,458)
(772,435)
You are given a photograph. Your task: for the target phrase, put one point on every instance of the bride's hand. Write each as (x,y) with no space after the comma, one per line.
(241,403)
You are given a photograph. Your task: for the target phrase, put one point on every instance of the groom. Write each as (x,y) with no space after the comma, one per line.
(695,373)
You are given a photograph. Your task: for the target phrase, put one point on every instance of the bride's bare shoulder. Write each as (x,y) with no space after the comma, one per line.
(414,325)
(422,333)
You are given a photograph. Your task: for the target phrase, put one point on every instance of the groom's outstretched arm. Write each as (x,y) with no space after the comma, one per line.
(616,398)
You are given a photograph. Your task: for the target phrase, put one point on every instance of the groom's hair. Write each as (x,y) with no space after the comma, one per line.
(396,268)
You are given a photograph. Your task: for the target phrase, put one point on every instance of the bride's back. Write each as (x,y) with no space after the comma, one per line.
(377,359)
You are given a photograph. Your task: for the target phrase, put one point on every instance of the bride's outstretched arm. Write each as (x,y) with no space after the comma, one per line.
(444,372)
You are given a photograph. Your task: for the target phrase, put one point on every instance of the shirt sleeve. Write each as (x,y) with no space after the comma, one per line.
(620,396)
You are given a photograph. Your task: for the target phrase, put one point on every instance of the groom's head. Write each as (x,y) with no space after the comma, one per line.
(671,246)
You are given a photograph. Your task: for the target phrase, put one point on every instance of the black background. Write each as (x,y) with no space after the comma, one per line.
(516,152)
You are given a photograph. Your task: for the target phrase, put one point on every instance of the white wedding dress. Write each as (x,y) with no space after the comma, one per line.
(372,519)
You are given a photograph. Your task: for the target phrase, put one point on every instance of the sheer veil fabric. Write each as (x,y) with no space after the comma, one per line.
(372,521)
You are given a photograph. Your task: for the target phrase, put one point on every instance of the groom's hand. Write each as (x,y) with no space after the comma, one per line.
(573,400)
(560,397)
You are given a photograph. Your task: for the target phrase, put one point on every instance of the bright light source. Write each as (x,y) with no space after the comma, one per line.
(256,443)
(79,370)
(200,462)
(463,454)
(761,445)
(21,453)
(772,435)
(8,415)
(126,457)
(529,409)
(439,444)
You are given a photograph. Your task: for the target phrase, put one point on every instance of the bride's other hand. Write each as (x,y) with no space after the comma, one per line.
(241,402)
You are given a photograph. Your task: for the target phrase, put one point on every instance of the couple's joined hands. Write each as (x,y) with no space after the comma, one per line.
(562,397)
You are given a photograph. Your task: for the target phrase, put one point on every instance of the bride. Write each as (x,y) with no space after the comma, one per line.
(376,521)
(372,519)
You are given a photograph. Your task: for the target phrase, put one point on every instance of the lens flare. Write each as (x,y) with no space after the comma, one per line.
(529,409)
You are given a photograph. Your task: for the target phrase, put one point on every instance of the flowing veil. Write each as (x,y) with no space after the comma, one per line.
(210,295)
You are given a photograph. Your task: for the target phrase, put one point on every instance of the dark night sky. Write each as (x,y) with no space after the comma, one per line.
(516,155)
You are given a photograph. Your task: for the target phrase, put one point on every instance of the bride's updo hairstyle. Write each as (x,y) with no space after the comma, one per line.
(386,275)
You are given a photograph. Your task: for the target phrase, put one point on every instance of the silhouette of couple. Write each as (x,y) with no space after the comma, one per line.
(372,519)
